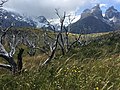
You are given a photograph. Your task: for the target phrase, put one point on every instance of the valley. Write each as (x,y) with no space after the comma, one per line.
(38,55)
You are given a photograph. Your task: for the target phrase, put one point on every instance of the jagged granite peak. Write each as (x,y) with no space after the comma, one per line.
(112,12)
(95,11)
(93,21)
(41,22)
(42,19)
(85,13)
(113,15)
(112,8)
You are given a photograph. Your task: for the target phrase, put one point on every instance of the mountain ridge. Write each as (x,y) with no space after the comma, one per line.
(8,17)
(109,22)
(91,21)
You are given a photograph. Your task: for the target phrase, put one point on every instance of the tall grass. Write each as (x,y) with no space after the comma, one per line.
(92,67)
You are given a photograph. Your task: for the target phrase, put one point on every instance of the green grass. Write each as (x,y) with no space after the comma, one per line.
(92,67)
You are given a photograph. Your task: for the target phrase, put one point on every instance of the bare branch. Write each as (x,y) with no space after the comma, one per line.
(53,52)
(77,40)
(3,51)
(6,66)
(4,31)
(56,11)
(13,44)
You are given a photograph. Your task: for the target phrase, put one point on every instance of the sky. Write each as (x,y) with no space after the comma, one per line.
(47,7)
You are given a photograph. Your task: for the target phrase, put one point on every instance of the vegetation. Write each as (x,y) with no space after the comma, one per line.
(44,60)
(91,67)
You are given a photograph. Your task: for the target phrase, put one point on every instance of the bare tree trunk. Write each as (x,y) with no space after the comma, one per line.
(13,65)
(66,38)
(62,48)
(15,68)
(2,37)
(19,62)
(53,52)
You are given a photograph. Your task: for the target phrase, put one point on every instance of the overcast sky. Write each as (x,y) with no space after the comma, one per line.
(47,7)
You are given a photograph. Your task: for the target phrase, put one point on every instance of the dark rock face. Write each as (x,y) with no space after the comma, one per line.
(112,12)
(86,13)
(113,15)
(42,19)
(92,21)
(96,11)
(90,25)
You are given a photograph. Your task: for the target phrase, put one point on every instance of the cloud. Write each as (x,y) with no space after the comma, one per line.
(103,5)
(117,1)
(47,7)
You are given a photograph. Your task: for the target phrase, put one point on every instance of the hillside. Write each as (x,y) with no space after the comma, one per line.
(95,66)
(90,24)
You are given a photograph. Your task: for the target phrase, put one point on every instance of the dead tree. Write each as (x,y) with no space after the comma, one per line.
(19,62)
(48,42)
(67,31)
(13,66)
(77,40)
(53,50)
(61,40)
(58,40)
(4,32)
(30,39)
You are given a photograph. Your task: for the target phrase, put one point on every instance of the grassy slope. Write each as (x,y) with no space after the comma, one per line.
(92,67)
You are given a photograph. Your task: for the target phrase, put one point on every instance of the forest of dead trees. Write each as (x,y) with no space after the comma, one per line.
(12,38)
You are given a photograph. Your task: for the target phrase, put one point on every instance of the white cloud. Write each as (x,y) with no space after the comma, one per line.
(117,1)
(47,7)
(73,17)
(103,5)
(103,15)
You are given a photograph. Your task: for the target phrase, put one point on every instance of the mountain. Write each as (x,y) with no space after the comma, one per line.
(113,15)
(95,11)
(8,17)
(90,24)
(92,21)
(41,22)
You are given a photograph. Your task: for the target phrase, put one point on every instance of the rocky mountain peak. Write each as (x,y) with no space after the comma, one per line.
(9,17)
(112,12)
(111,9)
(96,7)
(42,19)
(86,13)
(95,11)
